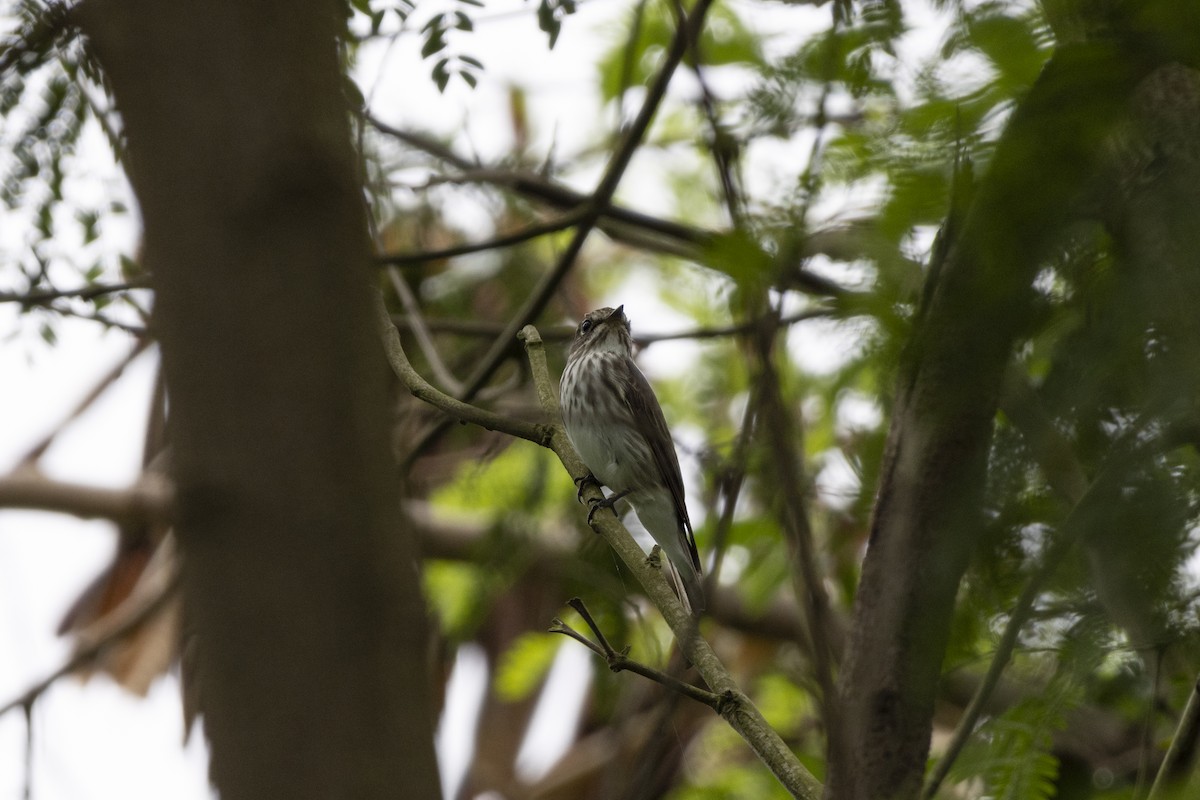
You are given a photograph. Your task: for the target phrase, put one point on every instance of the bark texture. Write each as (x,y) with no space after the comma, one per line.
(306,626)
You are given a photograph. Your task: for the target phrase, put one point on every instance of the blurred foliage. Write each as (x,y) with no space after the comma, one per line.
(853,140)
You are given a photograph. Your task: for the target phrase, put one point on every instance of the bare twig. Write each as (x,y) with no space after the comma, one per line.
(596,204)
(730,486)
(619,661)
(106,321)
(1175,752)
(562,333)
(618,222)
(457,409)
(506,240)
(419,330)
(41,297)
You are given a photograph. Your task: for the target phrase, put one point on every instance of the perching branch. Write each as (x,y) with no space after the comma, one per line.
(737,710)
(457,409)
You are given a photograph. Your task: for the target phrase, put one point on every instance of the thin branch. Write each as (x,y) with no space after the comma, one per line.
(457,409)
(810,588)
(599,200)
(738,710)
(1175,752)
(108,322)
(723,146)
(682,238)
(619,661)
(563,333)
(730,486)
(505,240)
(640,230)
(419,331)
(41,297)
(150,498)
(533,306)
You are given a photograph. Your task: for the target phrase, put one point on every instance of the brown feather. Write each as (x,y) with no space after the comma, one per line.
(652,425)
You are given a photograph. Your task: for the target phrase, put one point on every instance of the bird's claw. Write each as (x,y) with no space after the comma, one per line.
(607,502)
(582,483)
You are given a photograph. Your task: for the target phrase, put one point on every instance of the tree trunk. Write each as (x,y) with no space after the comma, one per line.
(927,514)
(301,593)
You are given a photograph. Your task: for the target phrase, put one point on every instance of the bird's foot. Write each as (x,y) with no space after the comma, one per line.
(583,483)
(607,502)
(654,559)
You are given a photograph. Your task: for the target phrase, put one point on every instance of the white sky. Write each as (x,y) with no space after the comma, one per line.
(97,741)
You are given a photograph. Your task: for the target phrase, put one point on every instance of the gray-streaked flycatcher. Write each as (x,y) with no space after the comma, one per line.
(616,424)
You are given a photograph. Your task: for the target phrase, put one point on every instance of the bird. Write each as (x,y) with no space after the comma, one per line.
(614,421)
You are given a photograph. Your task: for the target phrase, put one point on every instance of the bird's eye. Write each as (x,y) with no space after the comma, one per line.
(585,326)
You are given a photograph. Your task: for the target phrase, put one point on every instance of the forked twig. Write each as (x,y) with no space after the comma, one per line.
(619,660)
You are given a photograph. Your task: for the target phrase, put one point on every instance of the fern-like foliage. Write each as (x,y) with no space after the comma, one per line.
(1012,755)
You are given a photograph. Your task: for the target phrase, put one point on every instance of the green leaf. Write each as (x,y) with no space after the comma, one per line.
(441,75)
(435,42)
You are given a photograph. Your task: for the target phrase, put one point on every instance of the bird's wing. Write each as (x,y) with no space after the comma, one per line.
(652,425)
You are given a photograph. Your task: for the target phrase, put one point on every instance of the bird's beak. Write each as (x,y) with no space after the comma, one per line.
(618,312)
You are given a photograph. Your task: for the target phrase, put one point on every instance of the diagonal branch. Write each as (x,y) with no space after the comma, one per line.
(617,221)
(533,306)
(560,223)
(599,200)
